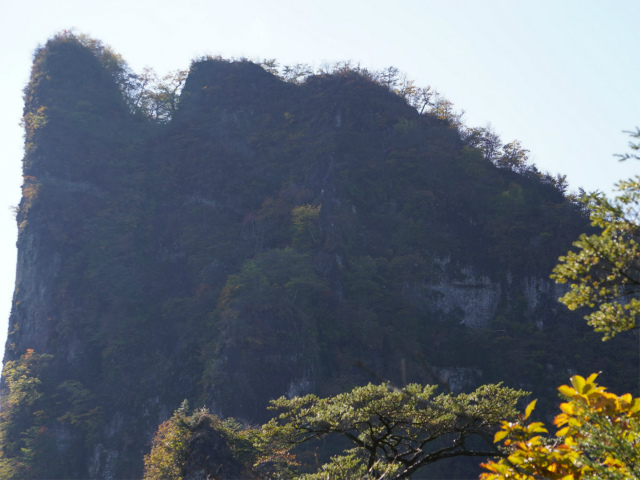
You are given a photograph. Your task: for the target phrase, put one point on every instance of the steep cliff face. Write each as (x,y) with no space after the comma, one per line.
(255,246)
(38,266)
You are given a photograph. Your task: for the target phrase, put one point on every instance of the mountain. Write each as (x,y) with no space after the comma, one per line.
(257,240)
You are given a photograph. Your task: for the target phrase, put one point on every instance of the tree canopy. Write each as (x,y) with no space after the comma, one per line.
(598,437)
(605,269)
(394,432)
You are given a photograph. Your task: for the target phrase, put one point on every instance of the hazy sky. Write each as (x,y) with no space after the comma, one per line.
(561,76)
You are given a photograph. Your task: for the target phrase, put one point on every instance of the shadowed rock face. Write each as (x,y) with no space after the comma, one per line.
(38,266)
(210,456)
(255,246)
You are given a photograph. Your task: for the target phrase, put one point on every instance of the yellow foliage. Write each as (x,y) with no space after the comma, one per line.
(598,437)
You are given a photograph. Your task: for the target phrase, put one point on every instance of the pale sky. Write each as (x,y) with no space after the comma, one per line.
(561,76)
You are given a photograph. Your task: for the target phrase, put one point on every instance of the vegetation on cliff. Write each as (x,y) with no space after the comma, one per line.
(236,235)
(396,432)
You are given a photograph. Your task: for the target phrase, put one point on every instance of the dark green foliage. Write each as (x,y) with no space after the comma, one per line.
(254,238)
(266,327)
